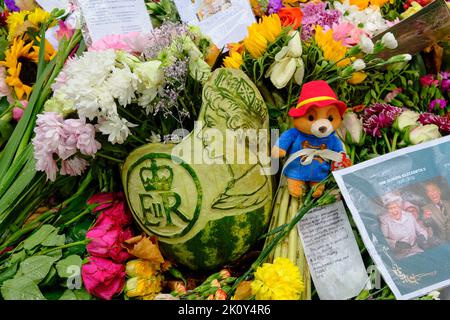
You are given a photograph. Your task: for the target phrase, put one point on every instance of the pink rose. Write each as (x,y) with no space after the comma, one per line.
(118,213)
(107,238)
(428,80)
(103,278)
(106,200)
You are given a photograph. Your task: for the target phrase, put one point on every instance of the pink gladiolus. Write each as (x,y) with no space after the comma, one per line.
(106,240)
(103,278)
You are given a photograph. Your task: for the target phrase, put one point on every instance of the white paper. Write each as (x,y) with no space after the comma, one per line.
(336,265)
(49,5)
(225,21)
(109,17)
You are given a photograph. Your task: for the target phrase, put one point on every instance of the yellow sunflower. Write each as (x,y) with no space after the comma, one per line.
(332,50)
(21,65)
(262,33)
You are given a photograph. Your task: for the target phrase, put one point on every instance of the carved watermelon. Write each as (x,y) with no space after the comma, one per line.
(207,201)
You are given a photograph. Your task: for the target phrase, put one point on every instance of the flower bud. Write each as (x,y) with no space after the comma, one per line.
(366,45)
(220,295)
(224,274)
(359,65)
(423,133)
(351,130)
(388,40)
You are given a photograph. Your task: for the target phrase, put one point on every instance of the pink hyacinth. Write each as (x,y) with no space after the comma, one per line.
(430,118)
(378,117)
(103,278)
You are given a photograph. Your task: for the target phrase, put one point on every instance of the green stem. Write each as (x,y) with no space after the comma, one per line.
(388,144)
(82,214)
(394,141)
(69,245)
(101,155)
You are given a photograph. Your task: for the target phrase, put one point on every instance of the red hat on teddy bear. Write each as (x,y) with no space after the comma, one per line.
(316,93)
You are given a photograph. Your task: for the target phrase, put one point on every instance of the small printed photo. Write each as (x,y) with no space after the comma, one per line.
(209,8)
(400,203)
(416,218)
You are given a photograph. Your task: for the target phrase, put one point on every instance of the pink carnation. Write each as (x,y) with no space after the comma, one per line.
(103,278)
(118,213)
(428,80)
(106,240)
(74,166)
(82,135)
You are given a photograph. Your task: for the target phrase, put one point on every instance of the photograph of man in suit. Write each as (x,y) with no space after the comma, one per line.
(436,214)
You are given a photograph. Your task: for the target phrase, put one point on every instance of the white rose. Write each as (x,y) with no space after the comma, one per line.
(424,133)
(359,65)
(406,119)
(149,73)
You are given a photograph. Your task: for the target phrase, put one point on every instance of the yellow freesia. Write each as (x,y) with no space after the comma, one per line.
(357,78)
(332,50)
(233,61)
(278,281)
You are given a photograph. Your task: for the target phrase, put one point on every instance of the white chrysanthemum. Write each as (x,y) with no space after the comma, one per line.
(122,84)
(116,128)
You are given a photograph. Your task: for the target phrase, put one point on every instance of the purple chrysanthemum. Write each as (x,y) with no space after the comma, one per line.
(379,116)
(430,118)
(274,6)
(441,103)
(317,14)
(11,4)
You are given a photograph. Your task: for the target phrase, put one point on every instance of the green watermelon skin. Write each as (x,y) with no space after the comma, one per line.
(221,242)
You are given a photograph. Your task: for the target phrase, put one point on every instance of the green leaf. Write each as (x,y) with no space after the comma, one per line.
(21,288)
(57,254)
(4,44)
(6,130)
(82,294)
(50,278)
(36,267)
(4,104)
(9,273)
(39,236)
(18,257)
(54,240)
(63,266)
(68,295)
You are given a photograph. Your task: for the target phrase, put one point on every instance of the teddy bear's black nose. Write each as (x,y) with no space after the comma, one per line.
(322,129)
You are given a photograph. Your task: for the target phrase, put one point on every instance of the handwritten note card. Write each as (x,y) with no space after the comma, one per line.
(108,17)
(225,21)
(332,253)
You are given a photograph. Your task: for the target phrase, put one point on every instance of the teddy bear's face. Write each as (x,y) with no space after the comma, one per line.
(320,122)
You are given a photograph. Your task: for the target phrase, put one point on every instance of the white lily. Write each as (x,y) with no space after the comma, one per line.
(288,63)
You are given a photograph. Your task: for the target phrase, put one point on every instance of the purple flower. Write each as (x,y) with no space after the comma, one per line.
(445,75)
(11,4)
(317,14)
(378,117)
(441,103)
(445,85)
(274,6)
(430,118)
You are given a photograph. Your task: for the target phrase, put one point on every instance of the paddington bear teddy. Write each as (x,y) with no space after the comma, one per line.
(312,145)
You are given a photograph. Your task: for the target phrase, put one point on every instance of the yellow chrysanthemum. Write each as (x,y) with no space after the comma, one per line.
(38,16)
(233,61)
(332,50)
(278,281)
(21,65)
(357,78)
(15,21)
